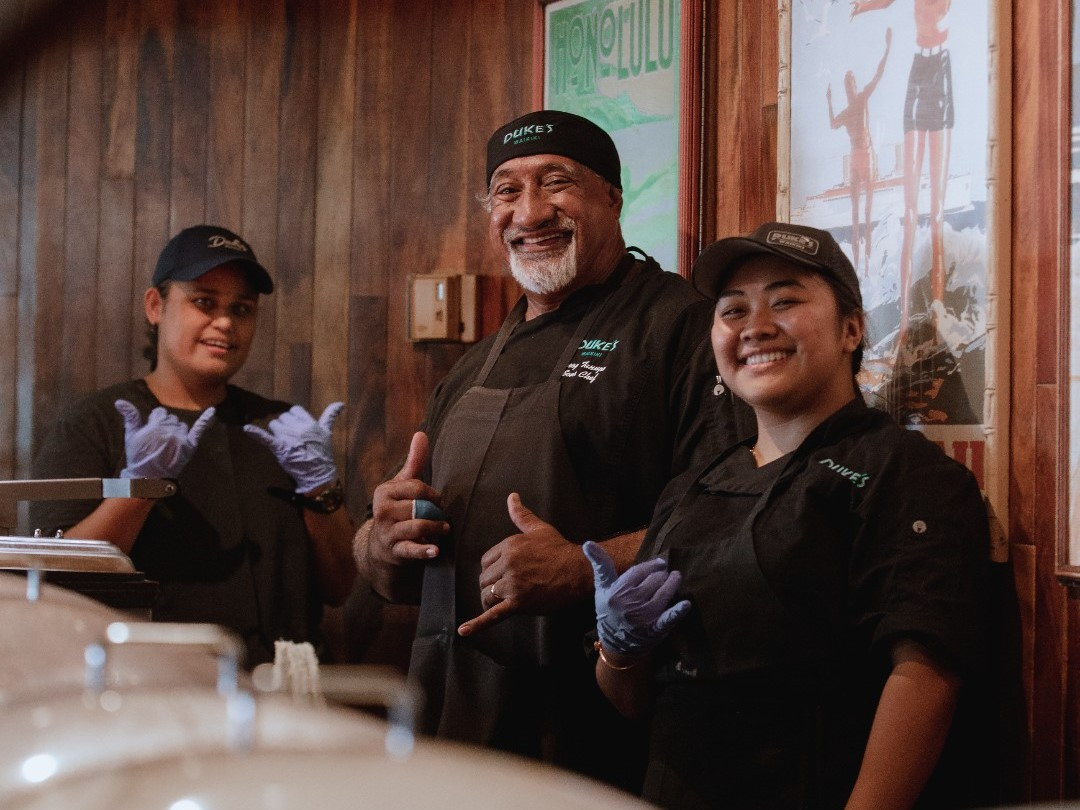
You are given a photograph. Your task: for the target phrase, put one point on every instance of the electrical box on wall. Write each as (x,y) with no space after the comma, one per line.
(442,308)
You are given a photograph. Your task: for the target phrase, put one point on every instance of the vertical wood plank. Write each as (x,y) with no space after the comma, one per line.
(118,280)
(724,80)
(81,217)
(227,64)
(447,142)
(190,119)
(1037,251)
(26,370)
(260,127)
(11,106)
(50,98)
(1071,748)
(296,200)
(493,102)
(153,158)
(369,463)
(1050,641)
(411,240)
(372,177)
(333,206)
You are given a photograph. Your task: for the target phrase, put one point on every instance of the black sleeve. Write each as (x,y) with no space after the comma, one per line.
(82,444)
(921,557)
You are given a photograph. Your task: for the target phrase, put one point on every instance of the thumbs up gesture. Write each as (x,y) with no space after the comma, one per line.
(403,520)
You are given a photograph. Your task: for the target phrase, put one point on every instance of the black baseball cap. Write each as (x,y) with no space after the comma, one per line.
(553,132)
(199,249)
(799,244)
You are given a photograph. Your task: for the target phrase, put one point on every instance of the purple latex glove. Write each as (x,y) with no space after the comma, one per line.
(301,445)
(163,446)
(632,608)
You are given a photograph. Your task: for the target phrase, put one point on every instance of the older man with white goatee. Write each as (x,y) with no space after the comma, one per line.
(561,428)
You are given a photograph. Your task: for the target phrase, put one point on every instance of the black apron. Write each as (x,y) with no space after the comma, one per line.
(526,684)
(763,721)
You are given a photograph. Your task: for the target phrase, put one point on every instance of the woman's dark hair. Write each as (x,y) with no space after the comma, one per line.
(847,304)
(150,350)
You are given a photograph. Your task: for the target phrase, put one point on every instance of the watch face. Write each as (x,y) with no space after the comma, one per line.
(329,500)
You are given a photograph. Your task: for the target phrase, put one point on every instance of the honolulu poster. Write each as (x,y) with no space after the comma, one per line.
(616,62)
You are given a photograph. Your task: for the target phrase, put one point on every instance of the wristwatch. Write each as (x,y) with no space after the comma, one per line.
(326,502)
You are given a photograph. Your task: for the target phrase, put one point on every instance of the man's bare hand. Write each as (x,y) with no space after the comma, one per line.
(392,537)
(537,571)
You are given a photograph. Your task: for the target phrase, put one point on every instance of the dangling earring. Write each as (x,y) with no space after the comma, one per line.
(718,389)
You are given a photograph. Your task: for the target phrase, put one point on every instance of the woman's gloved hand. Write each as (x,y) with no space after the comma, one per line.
(301,445)
(163,446)
(633,609)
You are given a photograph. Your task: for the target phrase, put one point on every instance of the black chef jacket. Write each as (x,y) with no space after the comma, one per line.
(802,574)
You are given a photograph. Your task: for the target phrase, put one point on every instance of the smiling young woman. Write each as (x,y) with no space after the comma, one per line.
(828,572)
(783,347)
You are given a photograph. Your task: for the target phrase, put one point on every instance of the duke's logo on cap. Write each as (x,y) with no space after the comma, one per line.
(219,241)
(521,133)
(795,241)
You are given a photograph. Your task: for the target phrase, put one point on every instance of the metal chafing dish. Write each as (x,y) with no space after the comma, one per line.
(92,567)
(437,775)
(82,733)
(197,749)
(46,631)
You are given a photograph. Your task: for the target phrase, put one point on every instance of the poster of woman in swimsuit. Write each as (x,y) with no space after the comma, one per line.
(887,132)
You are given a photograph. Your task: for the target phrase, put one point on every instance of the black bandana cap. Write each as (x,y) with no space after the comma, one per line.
(553,132)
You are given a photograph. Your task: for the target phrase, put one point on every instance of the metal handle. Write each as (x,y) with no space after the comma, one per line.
(75,489)
(365,685)
(225,644)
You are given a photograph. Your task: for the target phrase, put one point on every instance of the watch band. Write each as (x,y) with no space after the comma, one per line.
(326,502)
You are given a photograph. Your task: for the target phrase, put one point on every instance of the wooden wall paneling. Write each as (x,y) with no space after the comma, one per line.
(764,206)
(228,62)
(724,74)
(500,58)
(333,208)
(191,116)
(82,212)
(412,237)
(1022,557)
(369,464)
(296,202)
(153,140)
(757,175)
(119,282)
(1039,222)
(11,103)
(1071,747)
(373,213)
(450,178)
(1050,640)
(49,152)
(259,127)
(451,171)
(27,257)
(489,95)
